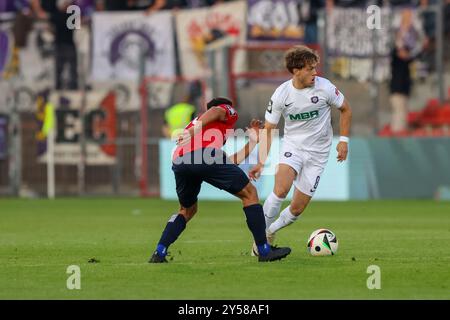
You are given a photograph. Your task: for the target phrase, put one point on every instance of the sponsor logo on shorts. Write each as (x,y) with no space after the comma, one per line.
(315,185)
(288,154)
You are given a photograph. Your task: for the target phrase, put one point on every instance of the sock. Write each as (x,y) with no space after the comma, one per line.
(272,208)
(173,229)
(263,249)
(285,219)
(257,225)
(161,249)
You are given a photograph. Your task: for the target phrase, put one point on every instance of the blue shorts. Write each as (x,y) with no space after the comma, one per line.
(193,168)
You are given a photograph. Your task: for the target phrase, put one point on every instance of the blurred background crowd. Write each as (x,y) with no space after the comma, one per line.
(132,71)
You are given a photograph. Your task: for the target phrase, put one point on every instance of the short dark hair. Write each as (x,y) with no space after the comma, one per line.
(218,101)
(299,57)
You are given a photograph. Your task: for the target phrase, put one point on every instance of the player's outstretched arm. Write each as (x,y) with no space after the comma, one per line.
(265,142)
(213,114)
(344,126)
(253,133)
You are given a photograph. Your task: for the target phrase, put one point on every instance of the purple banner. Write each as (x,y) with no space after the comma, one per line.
(7,6)
(13,5)
(3,137)
(87,7)
(4,51)
(274,20)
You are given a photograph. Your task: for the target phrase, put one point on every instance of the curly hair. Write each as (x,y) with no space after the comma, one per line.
(299,57)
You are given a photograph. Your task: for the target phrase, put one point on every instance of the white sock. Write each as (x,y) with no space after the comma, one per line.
(271,208)
(285,219)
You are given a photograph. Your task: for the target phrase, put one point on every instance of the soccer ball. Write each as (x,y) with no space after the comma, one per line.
(322,242)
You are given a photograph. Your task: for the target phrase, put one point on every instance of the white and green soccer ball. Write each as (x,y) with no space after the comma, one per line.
(322,242)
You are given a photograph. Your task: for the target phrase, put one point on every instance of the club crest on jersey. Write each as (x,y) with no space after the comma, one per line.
(288,154)
(315,99)
(231,110)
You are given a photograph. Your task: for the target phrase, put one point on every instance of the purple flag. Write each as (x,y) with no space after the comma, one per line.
(13,5)
(87,7)
(4,50)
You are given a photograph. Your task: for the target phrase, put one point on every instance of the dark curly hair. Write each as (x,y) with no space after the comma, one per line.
(218,101)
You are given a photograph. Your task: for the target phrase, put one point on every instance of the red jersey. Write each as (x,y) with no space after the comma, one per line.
(213,135)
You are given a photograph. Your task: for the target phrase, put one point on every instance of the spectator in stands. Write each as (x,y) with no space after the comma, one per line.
(173,5)
(309,10)
(408,43)
(129,5)
(155,6)
(113,5)
(213,2)
(23,23)
(180,114)
(396,3)
(446,19)
(177,117)
(38,9)
(151,6)
(87,7)
(352,3)
(428,17)
(65,48)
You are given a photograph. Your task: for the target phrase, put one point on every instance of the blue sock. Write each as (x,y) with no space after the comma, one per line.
(263,249)
(162,250)
(173,229)
(257,225)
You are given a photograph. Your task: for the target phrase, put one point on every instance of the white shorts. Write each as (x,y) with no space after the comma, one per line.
(308,165)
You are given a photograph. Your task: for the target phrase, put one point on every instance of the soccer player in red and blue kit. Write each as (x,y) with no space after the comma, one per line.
(199,158)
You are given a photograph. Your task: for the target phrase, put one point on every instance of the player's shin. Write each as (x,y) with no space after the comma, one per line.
(285,219)
(174,227)
(256,224)
(271,208)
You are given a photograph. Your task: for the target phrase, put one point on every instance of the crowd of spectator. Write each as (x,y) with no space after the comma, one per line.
(88,6)
(409,43)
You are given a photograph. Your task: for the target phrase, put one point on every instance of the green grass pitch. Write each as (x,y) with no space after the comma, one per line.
(39,239)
